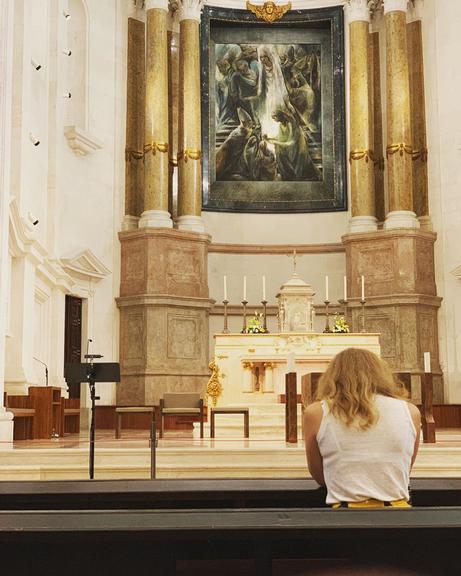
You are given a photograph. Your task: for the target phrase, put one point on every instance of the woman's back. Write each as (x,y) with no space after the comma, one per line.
(373,463)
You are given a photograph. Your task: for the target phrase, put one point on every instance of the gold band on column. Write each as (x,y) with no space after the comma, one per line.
(360,155)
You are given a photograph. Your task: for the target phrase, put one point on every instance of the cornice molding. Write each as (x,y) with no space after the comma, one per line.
(85,264)
(276,248)
(81,141)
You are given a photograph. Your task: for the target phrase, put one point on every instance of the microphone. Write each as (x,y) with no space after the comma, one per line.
(46,369)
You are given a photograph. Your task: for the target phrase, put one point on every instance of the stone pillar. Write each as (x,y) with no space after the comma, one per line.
(156,170)
(247,384)
(378,145)
(268,377)
(418,123)
(361,154)
(399,150)
(189,144)
(6,93)
(135,108)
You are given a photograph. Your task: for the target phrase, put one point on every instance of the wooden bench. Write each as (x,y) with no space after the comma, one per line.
(71,415)
(24,414)
(121,410)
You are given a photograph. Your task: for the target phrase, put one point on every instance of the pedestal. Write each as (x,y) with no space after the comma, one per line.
(164,307)
(401,296)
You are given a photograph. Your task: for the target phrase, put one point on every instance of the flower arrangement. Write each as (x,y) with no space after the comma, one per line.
(340,325)
(256,324)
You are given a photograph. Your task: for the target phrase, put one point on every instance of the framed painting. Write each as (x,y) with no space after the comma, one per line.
(273,127)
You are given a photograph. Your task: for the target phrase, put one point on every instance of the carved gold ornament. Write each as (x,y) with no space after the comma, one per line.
(360,154)
(269,11)
(133,154)
(155,147)
(214,386)
(189,153)
(401,148)
(421,153)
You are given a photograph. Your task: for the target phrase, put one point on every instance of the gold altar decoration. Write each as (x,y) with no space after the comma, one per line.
(133,154)
(401,147)
(189,153)
(154,146)
(269,11)
(214,386)
(359,154)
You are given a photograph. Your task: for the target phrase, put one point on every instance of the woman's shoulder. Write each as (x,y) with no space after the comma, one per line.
(314,410)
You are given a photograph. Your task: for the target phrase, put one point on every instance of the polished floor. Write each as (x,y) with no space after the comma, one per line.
(180,455)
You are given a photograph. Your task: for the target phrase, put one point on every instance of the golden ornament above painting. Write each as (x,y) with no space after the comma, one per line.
(269,11)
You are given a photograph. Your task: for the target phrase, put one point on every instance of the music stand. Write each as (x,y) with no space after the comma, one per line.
(92,372)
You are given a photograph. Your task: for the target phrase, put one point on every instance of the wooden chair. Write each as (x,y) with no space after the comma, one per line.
(183,404)
(24,414)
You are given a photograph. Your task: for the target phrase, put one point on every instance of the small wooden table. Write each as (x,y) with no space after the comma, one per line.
(119,411)
(231,410)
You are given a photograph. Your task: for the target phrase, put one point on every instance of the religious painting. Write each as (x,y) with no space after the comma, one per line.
(273,112)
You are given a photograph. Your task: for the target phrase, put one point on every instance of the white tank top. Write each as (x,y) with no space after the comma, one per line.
(375,463)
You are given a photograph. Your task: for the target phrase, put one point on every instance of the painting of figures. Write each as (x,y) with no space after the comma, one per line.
(268,103)
(273,136)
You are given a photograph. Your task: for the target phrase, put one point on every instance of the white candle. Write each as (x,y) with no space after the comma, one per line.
(244,287)
(225,287)
(264,288)
(345,289)
(363,288)
(326,288)
(427,362)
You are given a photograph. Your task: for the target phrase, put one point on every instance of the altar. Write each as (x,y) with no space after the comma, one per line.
(251,368)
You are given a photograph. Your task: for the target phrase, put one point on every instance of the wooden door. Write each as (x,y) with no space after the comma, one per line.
(73,338)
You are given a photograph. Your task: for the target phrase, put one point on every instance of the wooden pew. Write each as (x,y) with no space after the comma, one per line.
(70,415)
(24,414)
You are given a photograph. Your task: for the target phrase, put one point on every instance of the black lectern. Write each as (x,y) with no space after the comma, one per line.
(92,372)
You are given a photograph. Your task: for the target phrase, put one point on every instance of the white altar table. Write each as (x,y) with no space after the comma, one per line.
(253,366)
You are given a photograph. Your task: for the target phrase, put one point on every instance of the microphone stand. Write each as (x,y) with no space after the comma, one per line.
(46,369)
(92,386)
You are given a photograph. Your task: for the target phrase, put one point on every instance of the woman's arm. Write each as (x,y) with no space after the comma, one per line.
(416,417)
(312,419)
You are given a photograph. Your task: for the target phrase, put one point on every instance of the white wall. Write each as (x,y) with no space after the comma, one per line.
(442,44)
(78,199)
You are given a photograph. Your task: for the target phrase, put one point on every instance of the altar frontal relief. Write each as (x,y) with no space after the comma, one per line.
(273,124)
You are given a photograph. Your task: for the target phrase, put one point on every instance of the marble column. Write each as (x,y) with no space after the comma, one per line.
(247,383)
(268,377)
(156,169)
(399,150)
(418,123)
(361,154)
(189,141)
(135,108)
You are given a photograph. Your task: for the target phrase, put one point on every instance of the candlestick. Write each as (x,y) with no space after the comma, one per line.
(326,287)
(244,287)
(244,303)
(327,320)
(225,287)
(363,288)
(345,289)
(343,303)
(427,362)
(264,287)
(362,302)
(226,329)
(264,303)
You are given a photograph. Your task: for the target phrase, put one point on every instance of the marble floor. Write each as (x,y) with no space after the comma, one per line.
(180,455)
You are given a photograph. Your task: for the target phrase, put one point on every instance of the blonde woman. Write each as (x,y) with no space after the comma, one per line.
(362,435)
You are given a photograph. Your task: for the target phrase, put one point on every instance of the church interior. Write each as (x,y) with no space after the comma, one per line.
(202,202)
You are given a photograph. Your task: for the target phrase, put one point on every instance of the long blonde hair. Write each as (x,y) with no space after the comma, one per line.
(350,384)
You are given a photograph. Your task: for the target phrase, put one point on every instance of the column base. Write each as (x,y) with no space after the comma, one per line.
(130,223)
(155,219)
(6,429)
(401,219)
(191,223)
(358,224)
(425,223)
